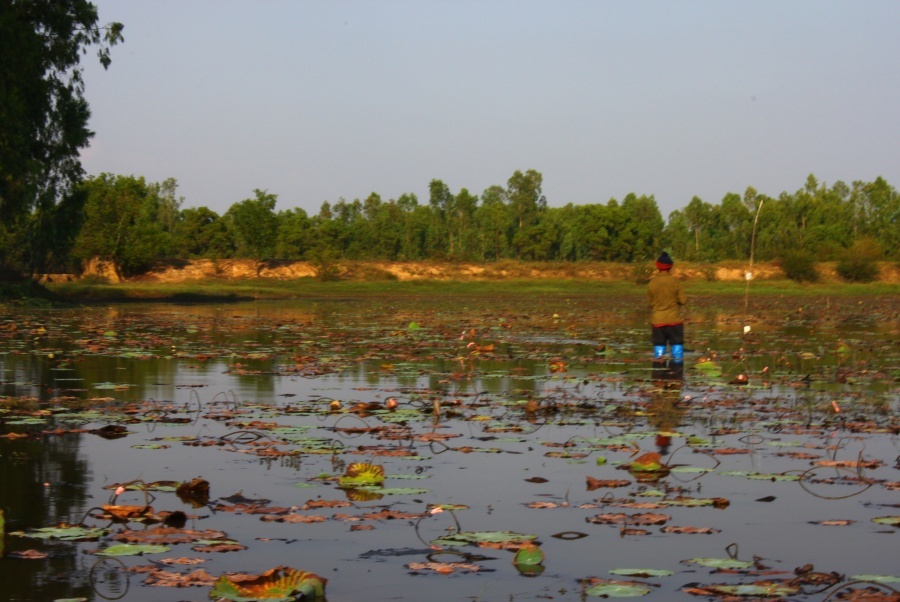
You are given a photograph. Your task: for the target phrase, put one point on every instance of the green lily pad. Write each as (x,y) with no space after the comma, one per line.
(710,369)
(475,537)
(615,589)
(63,533)
(642,572)
(893,521)
(361,474)
(759,476)
(877,578)
(766,589)
(529,554)
(690,469)
(128,549)
(721,563)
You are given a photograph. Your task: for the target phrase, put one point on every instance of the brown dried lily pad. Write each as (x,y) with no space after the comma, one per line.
(593,483)
(167,535)
(444,568)
(620,518)
(690,530)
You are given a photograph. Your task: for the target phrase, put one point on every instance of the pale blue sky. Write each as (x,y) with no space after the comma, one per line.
(322,100)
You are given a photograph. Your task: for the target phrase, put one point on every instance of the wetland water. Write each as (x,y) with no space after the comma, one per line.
(517,418)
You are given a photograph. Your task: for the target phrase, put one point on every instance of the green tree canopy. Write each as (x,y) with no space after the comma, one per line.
(126,222)
(255,226)
(43,112)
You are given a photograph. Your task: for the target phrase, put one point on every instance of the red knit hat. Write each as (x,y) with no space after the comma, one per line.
(664,262)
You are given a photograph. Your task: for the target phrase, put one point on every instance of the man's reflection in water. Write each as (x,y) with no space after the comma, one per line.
(666,411)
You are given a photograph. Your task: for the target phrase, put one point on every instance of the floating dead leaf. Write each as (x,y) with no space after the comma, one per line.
(392,515)
(832,522)
(125,512)
(621,518)
(444,568)
(294,518)
(756,589)
(218,545)
(181,561)
(690,530)
(311,504)
(593,483)
(849,463)
(167,535)
(543,505)
(632,531)
(161,578)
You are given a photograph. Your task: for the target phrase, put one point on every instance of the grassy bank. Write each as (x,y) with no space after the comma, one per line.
(262,288)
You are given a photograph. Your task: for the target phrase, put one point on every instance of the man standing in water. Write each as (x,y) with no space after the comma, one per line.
(666,298)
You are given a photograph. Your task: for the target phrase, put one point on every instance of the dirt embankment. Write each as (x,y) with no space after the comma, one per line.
(204,269)
(228,269)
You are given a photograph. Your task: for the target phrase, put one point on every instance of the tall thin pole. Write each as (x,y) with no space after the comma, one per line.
(749,275)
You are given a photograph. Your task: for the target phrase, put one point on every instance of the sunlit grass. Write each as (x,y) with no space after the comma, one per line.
(306,288)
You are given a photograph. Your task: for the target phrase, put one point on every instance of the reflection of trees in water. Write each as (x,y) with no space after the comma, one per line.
(27,465)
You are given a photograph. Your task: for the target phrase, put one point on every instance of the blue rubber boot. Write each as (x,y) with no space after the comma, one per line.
(678,353)
(659,351)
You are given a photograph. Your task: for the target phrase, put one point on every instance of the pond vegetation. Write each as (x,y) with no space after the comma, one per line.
(508,447)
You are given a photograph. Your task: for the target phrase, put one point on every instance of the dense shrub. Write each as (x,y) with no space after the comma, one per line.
(799,266)
(859,262)
(642,273)
(326,265)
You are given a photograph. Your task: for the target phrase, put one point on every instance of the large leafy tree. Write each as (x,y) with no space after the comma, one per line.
(200,233)
(255,226)
(126,222)
(492,219)
(43,119)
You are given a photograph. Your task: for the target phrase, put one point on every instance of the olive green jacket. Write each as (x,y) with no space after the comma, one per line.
(666,298)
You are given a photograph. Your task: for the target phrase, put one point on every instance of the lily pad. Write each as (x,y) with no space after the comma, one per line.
(499,538)
(721,563)
(893,521)
(361,474)
(642,572)
(758,589)
(129,549)
(529,554)
(877,578)
(64,532)
(281,583)
(617,589)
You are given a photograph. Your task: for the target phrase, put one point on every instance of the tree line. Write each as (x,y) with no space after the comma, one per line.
(134,224)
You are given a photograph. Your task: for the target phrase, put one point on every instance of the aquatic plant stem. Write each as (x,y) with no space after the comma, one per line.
(749,274)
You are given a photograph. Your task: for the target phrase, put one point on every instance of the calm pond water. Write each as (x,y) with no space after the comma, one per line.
(518,417)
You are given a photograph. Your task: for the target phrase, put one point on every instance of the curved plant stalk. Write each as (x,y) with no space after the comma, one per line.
(94,581)
(847,584)
(423,517)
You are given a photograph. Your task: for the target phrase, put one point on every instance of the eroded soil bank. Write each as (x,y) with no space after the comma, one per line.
(203,269)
